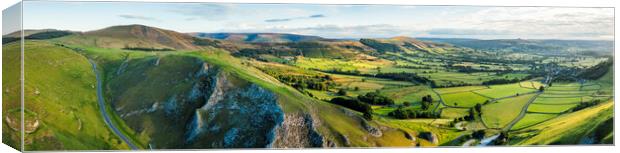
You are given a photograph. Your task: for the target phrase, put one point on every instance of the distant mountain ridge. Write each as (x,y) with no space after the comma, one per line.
(258,37)
(141,36)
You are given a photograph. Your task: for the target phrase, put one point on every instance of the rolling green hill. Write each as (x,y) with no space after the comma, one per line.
(60,106)
(133,36)
(162,89)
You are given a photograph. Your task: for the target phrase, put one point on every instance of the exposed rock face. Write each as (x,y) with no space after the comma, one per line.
(375,132)
(197,105)
(236,114)
(298,131)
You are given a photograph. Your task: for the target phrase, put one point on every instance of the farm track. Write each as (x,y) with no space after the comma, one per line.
(522,113)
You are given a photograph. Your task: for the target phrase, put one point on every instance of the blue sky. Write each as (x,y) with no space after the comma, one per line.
(330,21)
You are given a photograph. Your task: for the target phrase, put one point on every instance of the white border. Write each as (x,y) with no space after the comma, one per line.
(562,3)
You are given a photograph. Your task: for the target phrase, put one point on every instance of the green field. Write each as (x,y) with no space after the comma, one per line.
(532,119)
(169,90)
(544,108)
(459,89)
(454,112)
(498,91)
(566,129)
(500,113)
(463,99)
(409,94)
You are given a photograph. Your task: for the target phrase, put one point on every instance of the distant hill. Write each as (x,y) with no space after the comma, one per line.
(35,34)
(138,36)
(550,46)
(28,32)
(403,44)
(258,37)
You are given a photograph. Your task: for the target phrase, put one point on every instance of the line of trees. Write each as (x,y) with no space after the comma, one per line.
(403,113)
(375,98)
(300,82)
(147,49)
(584,105)
(404,76)
(354,104)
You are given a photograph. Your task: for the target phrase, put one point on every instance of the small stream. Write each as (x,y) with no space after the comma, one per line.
(486,141)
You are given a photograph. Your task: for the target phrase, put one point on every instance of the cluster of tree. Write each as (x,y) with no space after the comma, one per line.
(470,69)
(346,72)
(413,67)
(402,113)
(147,49)
(596,71)
(354,104)
(300,82)
(380,46)
(254,52)
(375,98)
(404,76)
(479,134)
(502,139)
(427,101)
(471,115)
(505,80)
(583,105)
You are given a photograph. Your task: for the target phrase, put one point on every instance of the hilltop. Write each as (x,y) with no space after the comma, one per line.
(138,37)
(258,37)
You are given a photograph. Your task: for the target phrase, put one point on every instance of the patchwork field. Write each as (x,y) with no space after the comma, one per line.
(463,99)
(532,119)
(498,91)
(500,113)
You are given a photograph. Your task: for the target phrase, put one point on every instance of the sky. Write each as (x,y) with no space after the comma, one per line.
(331,21)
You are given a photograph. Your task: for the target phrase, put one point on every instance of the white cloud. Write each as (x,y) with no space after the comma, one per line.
(540,22)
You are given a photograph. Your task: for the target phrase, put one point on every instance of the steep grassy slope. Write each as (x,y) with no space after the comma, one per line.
(11,100)
(587,126)
(60,106)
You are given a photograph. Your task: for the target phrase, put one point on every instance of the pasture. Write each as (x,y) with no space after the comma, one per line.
(500,113)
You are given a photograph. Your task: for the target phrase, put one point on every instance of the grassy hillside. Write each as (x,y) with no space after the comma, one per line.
(133,36)
(574,128)
(11,99)
(168,90)
(61,107)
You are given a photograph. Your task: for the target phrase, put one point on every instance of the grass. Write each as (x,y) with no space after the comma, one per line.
(561,100)
(417,126)
(542,108)
(454,112)
(11,99)
(463,99)
(60,91)
(532,119)
(565,129)
(459,89)
(500,113)
(411,94)
(504,90)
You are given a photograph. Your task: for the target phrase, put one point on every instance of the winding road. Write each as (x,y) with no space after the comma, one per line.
(105,115)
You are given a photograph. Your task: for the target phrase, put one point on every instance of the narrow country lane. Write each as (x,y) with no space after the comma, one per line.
(105,115)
